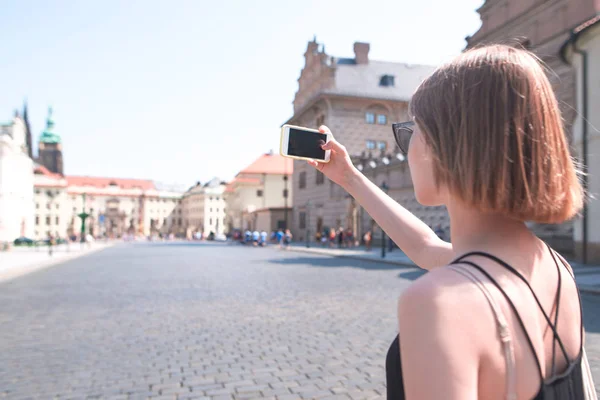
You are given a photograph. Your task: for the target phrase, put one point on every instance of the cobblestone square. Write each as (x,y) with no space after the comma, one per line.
(207,321)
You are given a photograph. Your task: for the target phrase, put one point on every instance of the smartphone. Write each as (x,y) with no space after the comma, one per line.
(304,143)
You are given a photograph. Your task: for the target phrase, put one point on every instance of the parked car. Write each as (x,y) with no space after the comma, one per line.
(24,241)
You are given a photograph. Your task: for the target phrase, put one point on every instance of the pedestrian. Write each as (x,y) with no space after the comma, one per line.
(367,239)
(332,236)
(50,243)
(263,238)
(486,140)
(287,239)
(340,238)
(279,237)
(349,237)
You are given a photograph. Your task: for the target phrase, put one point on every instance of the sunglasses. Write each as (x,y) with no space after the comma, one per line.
(402,133)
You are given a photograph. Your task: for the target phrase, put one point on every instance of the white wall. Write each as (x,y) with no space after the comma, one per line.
(590,42)
(16,184)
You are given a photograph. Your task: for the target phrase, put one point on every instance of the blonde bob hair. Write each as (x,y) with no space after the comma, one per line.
(492,122)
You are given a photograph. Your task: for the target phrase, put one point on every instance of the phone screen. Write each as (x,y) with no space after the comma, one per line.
(306,144)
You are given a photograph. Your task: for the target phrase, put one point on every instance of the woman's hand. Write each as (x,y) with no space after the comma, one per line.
(339,168)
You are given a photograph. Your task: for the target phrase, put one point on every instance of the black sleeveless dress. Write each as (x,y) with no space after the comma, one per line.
(564,386)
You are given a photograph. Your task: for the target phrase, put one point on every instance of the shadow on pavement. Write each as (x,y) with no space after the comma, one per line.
(591,305)
(333,262)
(412,275)
(179,244)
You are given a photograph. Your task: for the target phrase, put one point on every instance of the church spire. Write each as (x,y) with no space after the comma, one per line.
(27,131)
(49,136)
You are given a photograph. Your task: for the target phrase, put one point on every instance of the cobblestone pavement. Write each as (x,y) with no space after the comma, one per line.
(207,321)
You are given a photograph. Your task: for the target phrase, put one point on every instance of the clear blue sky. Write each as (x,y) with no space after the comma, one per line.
(180,91)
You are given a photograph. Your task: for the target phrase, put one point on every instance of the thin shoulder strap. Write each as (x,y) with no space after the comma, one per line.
(566,265)
(503,331)
(518,274)
(514,309)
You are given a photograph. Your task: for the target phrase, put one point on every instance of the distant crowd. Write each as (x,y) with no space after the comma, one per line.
(262,238)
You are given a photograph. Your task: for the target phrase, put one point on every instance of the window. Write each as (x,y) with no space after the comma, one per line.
(320,120)
(320,177)
(285,193)
(386,80)
(48,206)
(381,119)
(370,118)
(91,210)
(164,221)
(210,221)
(381,145)
(280,224)
(217,210)
(302,180)
(370,144)
(37,219)
(210,198)
(37,206)
(37,191)
(259,193)
(179,222)
(57,206)
(48,221)
(74,209)
(57,220)
(302,220)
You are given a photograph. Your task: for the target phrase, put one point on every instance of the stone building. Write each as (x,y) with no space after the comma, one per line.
(204,208)
(50,148)
(259,197)
(582,51)
(544,27)
(16,182)
(52,215)
(358,99)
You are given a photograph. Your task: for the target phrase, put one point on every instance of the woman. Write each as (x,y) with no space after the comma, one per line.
(498,315)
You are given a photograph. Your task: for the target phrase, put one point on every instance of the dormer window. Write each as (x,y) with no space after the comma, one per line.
(113,184)
(387,80)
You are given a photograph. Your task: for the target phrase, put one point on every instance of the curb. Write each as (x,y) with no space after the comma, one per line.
(16,272)
(354,257)
(588,289)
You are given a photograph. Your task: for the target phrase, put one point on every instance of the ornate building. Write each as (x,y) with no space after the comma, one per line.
(259,196)
(547,28)
(50,148)
(16,182)
(204,208)
(358,99)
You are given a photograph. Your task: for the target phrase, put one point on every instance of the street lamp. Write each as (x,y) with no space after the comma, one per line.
(83,215)
(308,204)
(385,188)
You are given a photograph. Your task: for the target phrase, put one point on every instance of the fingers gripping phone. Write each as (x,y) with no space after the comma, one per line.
(304,143)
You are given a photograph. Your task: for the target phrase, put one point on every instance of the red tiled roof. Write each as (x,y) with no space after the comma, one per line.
(106,182)
(40,169)
(246,180)
(270,164)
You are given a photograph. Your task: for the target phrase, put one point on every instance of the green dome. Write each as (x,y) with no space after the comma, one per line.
(49,136)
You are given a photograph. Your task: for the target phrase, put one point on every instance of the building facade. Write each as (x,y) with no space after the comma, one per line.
(50,148)
(204,208)
(582,51)
(544,27)
(16,182)
(358,99)
(260,196)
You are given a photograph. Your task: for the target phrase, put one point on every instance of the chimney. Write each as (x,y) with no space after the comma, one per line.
(361,52)
(313,46)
